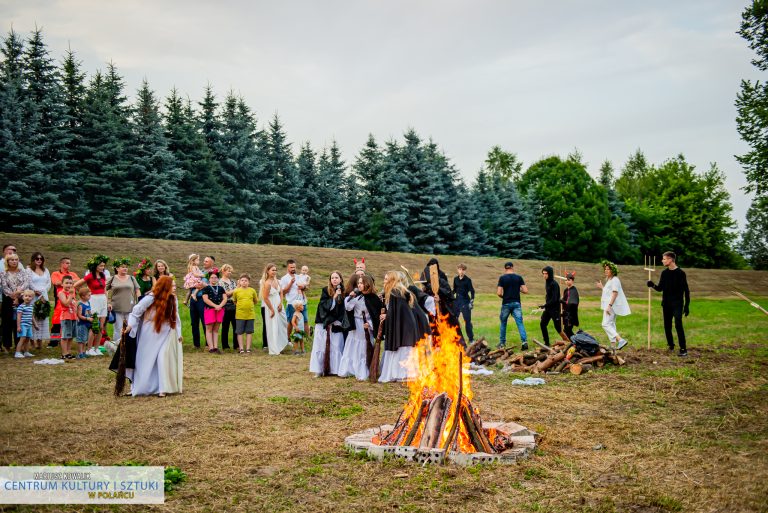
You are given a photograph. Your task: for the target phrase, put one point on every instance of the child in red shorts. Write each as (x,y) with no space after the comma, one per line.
(214,298)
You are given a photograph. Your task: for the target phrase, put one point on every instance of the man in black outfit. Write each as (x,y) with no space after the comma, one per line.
(464,294)
(675,298)
(551,304)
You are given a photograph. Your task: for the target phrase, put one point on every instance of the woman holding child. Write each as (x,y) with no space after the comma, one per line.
(159,360)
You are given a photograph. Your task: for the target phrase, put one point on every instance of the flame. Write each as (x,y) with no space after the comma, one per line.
(435,366)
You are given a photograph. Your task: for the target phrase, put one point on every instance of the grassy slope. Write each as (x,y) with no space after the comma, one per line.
(260,432)
(252,258)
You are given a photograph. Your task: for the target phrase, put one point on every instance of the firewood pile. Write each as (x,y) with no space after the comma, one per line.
(545,359)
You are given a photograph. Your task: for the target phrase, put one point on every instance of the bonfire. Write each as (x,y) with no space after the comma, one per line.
(439,413)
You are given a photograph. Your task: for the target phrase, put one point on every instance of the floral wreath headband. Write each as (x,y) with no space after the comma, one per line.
(213,271)
(95,261)
(614,269)
(145,264)
(117,262)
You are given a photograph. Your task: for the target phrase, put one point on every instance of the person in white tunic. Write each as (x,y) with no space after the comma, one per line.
(330,323)
(159,359)
(613,302)
(274,317)
(366,307)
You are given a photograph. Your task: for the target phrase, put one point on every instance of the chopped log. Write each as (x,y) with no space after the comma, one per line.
(549,362)
(415,428)
(541,357)
(580,368)
(530,359)
(435,421)
(474,436)
(476,346)
(545,347)
(561,365)
(592,359)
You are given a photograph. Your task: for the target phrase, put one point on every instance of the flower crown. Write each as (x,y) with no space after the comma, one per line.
(614,269)
(145,264)
(95,261)
(117,262)
(215,271)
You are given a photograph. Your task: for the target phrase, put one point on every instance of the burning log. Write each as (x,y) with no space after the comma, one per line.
(415,429)
(474,428)
(435,421)
(456,420)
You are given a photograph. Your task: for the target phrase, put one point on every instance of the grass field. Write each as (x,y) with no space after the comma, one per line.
(259,433)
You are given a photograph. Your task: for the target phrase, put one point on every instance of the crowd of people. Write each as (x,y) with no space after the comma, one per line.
(350,317)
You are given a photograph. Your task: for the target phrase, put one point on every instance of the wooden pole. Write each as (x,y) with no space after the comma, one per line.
(650,268)
(745,298)
(434,281)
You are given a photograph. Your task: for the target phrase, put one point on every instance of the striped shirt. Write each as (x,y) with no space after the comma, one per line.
(25,312)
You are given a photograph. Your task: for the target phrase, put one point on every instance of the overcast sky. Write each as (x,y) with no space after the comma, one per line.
(536,78)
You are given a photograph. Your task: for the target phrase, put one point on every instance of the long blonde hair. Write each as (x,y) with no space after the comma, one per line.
(265,277)
(395,281)
(190,262)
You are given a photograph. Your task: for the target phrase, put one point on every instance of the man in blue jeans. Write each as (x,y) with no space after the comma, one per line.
(508,289)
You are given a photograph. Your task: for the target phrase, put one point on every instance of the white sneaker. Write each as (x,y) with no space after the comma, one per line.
(621,344)
(18,355)
(28,354)
(94,352)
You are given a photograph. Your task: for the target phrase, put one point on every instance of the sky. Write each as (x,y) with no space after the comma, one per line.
(536,78)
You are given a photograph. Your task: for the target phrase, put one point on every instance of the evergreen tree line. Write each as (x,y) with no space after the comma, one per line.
(78,158)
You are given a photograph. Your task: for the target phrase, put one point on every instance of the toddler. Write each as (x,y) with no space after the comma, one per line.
(302,280)
(298,327)
(25,321)
(193,278)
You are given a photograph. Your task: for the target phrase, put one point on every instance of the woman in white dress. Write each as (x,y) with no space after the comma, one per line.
(40,282)
(330,323)
(274,318)
(613,302)
(366,308)
(159,359)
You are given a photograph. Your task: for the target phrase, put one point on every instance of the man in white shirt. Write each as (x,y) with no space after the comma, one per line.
(8,249)
(292,290)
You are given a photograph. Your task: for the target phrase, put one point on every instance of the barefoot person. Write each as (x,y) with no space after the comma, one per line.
(675,298)
(613,302)
(156,324)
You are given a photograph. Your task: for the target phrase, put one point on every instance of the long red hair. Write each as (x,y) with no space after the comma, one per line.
(164,304)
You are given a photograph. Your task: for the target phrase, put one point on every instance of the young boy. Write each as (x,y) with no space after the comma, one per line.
(25,321)
(245,298)
(84,336)
(297,321)
(68,303)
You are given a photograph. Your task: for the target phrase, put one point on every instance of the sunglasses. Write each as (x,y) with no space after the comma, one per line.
(39,258)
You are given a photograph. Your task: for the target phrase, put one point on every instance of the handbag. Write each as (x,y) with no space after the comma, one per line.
(111,317)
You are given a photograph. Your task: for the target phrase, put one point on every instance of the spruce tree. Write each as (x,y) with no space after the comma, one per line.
(201,193)
(157,174)
(327,216)
(368,172)
(241,169)
(422,194)
(48,130)
(622,238)
(398,209)
(69,185)
(108,186)
(286,222)
(306,167)
(20,143)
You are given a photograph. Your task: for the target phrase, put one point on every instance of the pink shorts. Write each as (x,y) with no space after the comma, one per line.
(212,316)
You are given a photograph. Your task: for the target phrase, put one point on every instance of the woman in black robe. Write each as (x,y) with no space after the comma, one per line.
(444,296)
(403,327)
(331,322)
